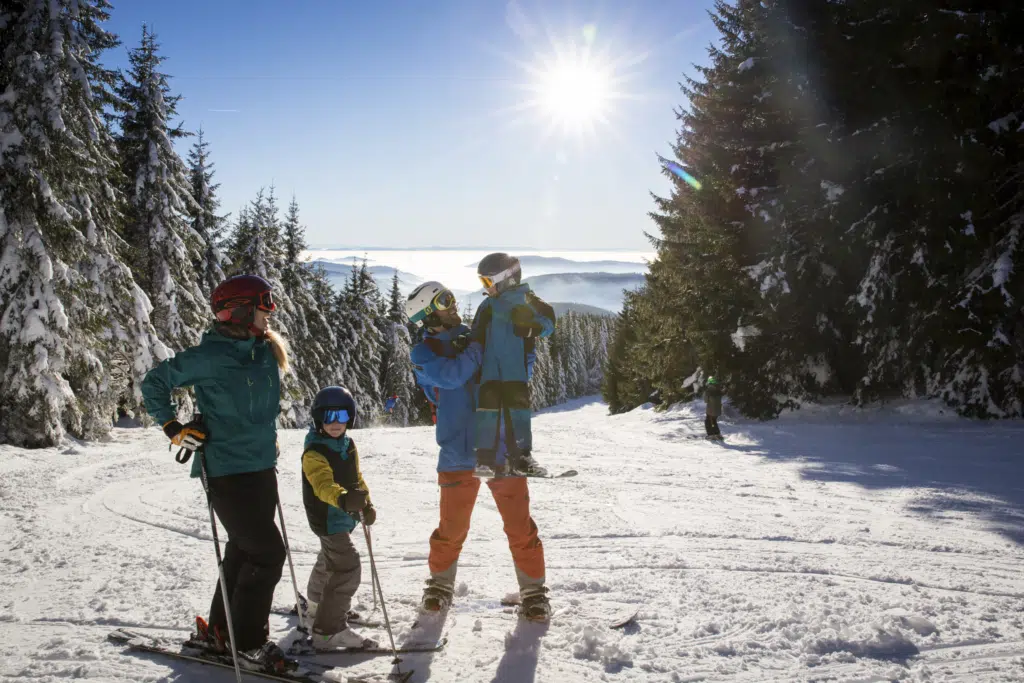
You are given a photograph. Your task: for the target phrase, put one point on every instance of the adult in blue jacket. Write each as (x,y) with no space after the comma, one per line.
(445,363)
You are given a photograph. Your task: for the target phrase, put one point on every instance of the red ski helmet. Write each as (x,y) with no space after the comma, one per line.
(236,299)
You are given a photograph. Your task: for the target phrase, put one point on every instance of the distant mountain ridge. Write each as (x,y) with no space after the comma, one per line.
(601,290)
(599,293)
(563,307)
(557,264)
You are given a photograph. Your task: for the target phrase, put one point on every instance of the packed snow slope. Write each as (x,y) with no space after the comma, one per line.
(830,545)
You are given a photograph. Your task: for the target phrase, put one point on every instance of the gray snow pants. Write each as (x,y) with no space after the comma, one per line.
(333,582)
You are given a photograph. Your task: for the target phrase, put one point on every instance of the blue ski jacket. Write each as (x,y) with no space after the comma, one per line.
(503,398)
(446,377)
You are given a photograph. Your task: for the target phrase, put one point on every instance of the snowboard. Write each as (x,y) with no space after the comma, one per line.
(304,673)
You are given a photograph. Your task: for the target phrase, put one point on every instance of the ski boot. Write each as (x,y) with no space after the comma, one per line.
(268,658)
(533,603)
(345,639)
(437,597)
(525,466)
(208,639)
(487,465)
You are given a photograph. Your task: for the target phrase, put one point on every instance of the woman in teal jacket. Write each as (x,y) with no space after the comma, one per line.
(235,371)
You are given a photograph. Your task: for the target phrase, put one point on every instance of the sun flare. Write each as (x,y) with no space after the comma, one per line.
(574,94)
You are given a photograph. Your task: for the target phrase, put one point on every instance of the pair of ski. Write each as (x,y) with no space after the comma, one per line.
(306,671)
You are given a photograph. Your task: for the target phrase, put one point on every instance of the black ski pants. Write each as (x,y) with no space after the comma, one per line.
(711,425)
(254,555)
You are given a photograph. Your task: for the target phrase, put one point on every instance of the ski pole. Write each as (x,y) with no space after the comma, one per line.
(220,567)
(383,607)
(291,568)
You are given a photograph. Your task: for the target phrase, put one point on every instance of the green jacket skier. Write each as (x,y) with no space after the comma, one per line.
(713,401)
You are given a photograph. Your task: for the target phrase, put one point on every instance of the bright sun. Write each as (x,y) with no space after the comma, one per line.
(574,94)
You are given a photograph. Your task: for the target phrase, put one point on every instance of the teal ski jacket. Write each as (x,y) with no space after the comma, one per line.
(238,391)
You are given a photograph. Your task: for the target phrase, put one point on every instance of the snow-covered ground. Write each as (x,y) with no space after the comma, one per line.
(828,545)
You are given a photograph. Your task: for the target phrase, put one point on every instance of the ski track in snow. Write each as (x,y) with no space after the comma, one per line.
(829,545)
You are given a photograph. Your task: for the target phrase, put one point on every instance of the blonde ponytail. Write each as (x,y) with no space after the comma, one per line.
(279,346)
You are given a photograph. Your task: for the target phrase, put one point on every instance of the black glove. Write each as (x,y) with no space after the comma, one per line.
(353,501)
(461,342)
(527,331)
(522,315)
(368,515)
(190,436)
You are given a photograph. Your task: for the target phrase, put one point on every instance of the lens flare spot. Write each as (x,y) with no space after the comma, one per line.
(681,173)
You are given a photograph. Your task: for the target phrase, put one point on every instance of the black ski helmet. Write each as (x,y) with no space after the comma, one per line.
(333,398)
(502,270)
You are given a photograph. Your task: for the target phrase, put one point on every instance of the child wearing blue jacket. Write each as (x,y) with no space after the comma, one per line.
(507,325)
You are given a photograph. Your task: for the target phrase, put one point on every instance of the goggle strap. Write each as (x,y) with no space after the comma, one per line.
(499,277)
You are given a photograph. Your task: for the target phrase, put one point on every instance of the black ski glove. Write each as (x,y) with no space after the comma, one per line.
(353,501)
(461,342)
(527,331)
(522,315)
(368,515)
(190,436)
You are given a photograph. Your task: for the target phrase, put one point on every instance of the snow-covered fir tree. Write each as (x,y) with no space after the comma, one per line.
(396,378)
(256,248)
(311,324)
(206,222)
(75,336)
(570,363)
(163,247)
(357,308)
(855,218)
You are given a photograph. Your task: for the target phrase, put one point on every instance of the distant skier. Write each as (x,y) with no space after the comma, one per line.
(445,363)
(235,371)
(713,401)
(336,499)
(507,325)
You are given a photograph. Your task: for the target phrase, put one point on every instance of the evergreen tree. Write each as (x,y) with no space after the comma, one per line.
(311,325)
(206,223)
(396,378)
(854,218)
(562,369)
(75,338)
(163,247)
(256,248)
(365,352)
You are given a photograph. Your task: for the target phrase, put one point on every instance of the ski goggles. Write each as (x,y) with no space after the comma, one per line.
(442,301)
(266,302)
(336,416)
(489,281)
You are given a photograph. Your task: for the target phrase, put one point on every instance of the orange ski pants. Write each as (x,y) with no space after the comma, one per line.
(511,495)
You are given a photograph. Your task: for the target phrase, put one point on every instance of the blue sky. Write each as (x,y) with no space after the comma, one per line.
(403,124)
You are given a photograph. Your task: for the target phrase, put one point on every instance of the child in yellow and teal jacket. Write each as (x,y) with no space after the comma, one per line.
(336,498)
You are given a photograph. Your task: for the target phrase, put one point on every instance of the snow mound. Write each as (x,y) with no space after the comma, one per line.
(596,645)
(862,640)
